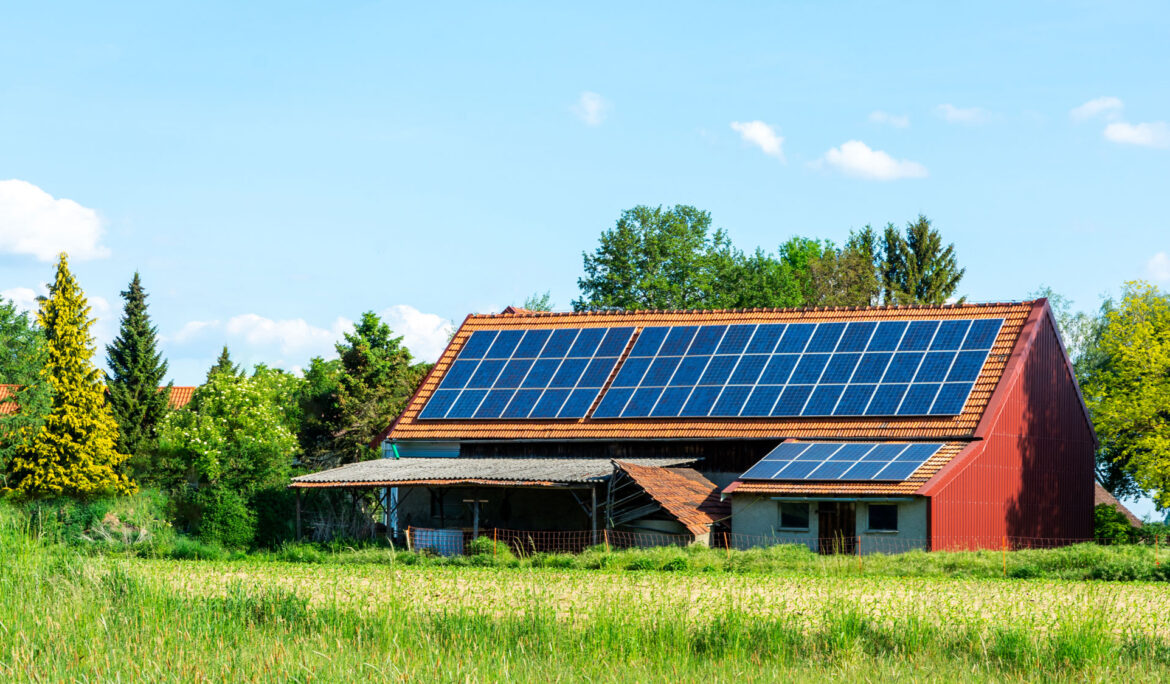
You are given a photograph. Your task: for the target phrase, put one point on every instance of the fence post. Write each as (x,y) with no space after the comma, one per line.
(1004,553)
(409,545)
(605,535)
(859,553)
(727,543)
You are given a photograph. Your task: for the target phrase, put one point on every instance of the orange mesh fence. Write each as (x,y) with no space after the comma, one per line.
(529,542)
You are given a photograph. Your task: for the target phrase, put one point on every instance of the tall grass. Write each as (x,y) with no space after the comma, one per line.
(72,617)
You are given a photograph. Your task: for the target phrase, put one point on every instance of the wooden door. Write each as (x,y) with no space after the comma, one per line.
(838,527)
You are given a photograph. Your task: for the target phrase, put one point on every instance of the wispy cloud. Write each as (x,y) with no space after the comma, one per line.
(592,108)
(1110,107)
(885,118)
(963,115)
(1159,267)
(23,298)
(190,331)
(1154,134)
(424,334)
(34,223)
(762,136)
(294,337)
(856,159)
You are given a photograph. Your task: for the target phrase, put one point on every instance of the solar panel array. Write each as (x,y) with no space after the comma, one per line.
(851,461)
(528,373)
(864,368)
(860,368)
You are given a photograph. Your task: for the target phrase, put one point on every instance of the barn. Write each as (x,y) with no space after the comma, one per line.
(844,429)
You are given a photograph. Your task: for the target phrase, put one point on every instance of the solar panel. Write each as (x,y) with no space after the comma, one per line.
(842,461)
(860,368)
(514,373)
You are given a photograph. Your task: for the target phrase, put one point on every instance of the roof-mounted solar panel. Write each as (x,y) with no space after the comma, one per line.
(843,461)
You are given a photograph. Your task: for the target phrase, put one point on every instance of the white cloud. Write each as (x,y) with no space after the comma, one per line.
(895,120)
(1159,267)
(35,223)
(293,337)
(1109,106)
(1154,134)
(856,159)
(190,330)
(762,136)
(964,115)
(424,334)
(24,298)
(592,108)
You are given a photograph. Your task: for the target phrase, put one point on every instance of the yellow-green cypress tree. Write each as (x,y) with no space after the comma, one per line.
(74,453)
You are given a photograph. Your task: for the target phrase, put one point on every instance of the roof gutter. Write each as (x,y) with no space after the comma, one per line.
(865,499)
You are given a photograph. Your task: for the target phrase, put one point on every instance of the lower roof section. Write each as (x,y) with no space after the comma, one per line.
(508,472)
(911,485)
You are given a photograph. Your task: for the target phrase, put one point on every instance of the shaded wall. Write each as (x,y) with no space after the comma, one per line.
(1032,475)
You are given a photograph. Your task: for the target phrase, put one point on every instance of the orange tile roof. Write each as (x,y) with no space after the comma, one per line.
(180,397)
(868,488)
(686,495)
(408,427)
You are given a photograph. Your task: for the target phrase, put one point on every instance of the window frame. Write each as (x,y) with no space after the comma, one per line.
(870,528)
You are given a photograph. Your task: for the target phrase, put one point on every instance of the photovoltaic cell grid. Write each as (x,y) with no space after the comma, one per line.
(842,461)
(528,373)
(862,368)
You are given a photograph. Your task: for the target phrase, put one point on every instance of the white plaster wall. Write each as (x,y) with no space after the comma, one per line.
(911,532)
(755,521)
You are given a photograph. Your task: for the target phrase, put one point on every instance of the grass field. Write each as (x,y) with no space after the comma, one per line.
(67,616)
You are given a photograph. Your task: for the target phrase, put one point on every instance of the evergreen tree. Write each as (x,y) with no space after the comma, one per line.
(224,365)
(917,268)
(138,371)
(74,452)
(26,399)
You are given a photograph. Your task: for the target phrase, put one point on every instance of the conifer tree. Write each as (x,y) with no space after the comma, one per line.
(917,268)
(224,365)
(138,371)
(74,452)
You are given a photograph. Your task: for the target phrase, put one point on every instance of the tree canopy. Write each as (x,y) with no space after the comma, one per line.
(656,258)
(74,450)
(22,360)
(137,371)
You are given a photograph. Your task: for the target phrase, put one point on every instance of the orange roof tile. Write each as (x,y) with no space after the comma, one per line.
(686,495)
(409,427)
(181,396)
(908,486)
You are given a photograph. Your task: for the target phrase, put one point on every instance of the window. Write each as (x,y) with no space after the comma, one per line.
(883,517)
(794,516)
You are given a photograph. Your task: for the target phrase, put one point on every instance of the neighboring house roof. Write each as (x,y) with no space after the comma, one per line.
(409,427)
(856,487)
(1102,496)
(687,496)
(511,472)
(180,397)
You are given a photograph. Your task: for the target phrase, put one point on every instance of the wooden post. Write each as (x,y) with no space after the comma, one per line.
(593,497)
(727,544)
(494,542)
(1005,555)
(298,513)
(859,553)
(409,545)
(605,535)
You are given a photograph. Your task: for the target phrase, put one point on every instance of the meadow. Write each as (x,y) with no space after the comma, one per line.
(375,615)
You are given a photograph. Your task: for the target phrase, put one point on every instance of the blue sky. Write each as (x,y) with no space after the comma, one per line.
(273,170)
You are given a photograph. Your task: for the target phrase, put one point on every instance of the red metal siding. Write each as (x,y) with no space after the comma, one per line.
(1031,476)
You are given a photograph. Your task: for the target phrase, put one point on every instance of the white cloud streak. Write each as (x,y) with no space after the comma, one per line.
(1110,107)
(592,108)
(292,337)
(424,334)
(34,223)
(24,298)
(1155,134)
(964,115)
(1159,267)
(762,136)
(885,118)
(856,159)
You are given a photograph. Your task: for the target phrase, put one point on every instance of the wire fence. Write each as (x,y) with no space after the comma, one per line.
(456,541)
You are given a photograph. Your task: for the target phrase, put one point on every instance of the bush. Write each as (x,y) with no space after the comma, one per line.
(276,513)
(482,546)
(1110,526)
(217,516)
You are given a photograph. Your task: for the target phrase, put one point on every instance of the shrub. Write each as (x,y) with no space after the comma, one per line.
(276,512)
(483,546)
(1111,526)
(217,516)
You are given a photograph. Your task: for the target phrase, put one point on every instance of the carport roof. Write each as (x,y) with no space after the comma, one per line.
(512,472)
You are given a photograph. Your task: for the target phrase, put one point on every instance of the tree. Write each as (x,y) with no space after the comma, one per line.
(1127,389)
(22,358)
(235,434)
(917,268)
(74,452)
(538,302)
(351,400)
(138,370)
(654,258)
(224,364)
